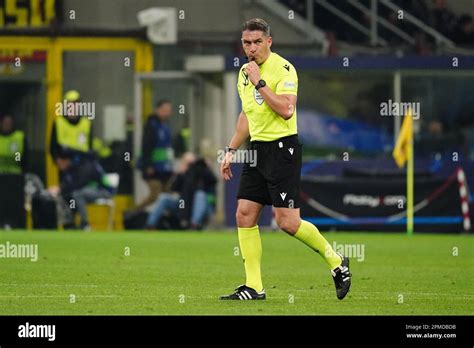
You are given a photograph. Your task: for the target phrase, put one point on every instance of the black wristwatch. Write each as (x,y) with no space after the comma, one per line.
(229,149)
(260,84)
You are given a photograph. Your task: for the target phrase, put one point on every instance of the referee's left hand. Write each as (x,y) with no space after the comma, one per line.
(226,173)
(253,71)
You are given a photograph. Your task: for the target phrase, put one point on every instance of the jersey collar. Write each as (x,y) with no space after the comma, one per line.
(268,62)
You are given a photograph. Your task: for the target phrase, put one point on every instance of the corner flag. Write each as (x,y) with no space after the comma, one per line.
(402,153)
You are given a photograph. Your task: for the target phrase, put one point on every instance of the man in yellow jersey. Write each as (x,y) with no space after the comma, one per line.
(267,86)
(13,165)
(70,147)
(71,135)
(13,147)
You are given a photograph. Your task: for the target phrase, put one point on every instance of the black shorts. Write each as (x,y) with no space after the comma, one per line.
(274,177)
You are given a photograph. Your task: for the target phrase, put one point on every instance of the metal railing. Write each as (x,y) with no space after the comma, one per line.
(348,19)
(314,34)
(394,29)
(308,25)
(440,38)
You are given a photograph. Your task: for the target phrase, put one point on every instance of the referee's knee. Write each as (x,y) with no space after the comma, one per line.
(244,218)
(287,224)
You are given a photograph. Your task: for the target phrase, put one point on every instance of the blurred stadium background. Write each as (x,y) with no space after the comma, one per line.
(351,56)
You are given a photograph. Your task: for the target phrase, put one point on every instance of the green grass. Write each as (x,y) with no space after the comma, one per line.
(201,266)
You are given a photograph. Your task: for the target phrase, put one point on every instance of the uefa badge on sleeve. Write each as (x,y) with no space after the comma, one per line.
(258,97)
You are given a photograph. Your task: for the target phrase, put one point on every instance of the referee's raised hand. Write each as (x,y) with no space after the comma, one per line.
(253,72)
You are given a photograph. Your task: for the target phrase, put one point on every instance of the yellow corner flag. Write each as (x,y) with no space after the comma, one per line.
(400,152)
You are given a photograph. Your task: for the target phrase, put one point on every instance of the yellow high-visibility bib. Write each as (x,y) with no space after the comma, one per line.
(74,136)
(11,152)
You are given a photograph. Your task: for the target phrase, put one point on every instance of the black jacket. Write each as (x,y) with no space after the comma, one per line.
(151,140)
(80,176)
(198,177)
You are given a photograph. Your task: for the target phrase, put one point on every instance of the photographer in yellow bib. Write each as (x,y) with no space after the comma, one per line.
(13,165)
(13,154)
(71,133)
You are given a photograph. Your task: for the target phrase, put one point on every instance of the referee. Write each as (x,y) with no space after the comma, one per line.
(267,86)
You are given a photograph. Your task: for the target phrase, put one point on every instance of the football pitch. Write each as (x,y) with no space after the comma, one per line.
(183,273)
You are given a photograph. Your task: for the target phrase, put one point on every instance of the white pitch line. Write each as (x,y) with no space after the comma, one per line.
(324,292)
(50,285)
(322,297)
(328,292)
(48,296)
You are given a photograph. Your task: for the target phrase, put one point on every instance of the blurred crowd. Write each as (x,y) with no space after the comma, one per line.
(181,195)
(434,13)
(181,186)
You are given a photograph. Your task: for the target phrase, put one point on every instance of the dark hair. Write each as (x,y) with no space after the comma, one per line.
(162,102)
(464,19)
(257,24)
(4,116)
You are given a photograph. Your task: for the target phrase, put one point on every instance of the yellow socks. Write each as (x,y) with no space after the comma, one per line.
(251,248)
(309,234)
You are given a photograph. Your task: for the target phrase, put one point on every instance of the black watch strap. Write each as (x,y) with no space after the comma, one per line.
(260,84)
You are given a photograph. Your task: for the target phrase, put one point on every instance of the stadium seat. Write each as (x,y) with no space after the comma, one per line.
(113,179)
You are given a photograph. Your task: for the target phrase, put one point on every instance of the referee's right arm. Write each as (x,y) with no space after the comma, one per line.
(240,135)
(241,131)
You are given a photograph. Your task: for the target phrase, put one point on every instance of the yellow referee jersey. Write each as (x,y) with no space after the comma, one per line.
(265,124)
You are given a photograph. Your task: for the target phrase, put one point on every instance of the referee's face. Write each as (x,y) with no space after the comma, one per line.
(256,45)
